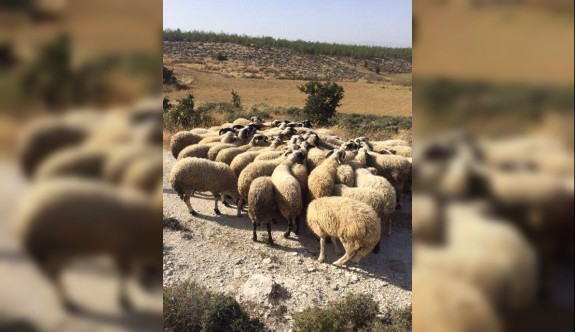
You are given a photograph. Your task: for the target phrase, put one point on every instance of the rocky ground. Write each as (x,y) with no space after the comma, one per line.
(282,63)
(275,282)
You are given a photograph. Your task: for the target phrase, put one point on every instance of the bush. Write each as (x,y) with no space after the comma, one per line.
(221,57)
(236,100)
(166,104)
(168,76)
(184,115)
(356,312)
(377,69)
(322,100)
(191,307)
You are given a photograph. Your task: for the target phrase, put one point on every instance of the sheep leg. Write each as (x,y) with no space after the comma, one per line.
(321,257)
(287,233)
(398,200)
(216,199)
(187,201)
(296,220)
(239,207)
(345,258)
(223,197)
(270,239)
(335,246)
(52,270)
(388,231)
(255,235)
(123,298)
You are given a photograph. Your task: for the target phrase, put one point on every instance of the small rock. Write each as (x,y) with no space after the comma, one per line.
(257,288)
(266,260)
(354,278)
(311,269)
(294,254)
(334,287)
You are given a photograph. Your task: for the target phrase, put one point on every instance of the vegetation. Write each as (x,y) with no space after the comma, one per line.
(236,100)
(191,307)
(358,51)
(166,105)
(356,312)
(184,115)
(322,100)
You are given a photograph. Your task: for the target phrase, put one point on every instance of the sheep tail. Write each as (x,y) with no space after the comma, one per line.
(178,189)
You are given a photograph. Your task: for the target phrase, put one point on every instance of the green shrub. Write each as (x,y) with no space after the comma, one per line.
(184,115)
(166,104)
(322,100)
(236,100)
(191,307)
(377,69)
(356,312)
(168,76)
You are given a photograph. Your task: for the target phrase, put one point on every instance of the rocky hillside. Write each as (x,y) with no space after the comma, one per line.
(257,62)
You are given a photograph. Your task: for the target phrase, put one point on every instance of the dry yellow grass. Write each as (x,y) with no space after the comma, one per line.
(359,97)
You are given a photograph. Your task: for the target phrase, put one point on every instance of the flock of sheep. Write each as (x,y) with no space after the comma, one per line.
(492,223)
(344,190)
(95,189)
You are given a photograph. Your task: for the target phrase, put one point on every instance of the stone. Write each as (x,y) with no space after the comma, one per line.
(257,289)
(266,260)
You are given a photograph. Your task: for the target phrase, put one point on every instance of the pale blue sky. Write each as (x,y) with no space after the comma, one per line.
(369,22)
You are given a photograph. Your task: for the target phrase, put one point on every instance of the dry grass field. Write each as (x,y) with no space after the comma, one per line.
(389,97)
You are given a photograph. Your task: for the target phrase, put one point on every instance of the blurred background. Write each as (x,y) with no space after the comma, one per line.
(493,165)
(80,123)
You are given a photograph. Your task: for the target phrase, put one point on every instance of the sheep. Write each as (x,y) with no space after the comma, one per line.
(287,190)
(242,160)
(345,175)
(382,204)
(67,218)
(197,151)
(143,174)
(215,149)
(365,179)
(355,224)
(44,137)
(261,205)
(449,305)
(397,169)
(268,155)
(241,121)
(80,161)
(200,131)
(119,159)
(182,139)
(315,156)
(426,221)
(189,175)
(400,150)
(254,171)
(322,178)
(227,155)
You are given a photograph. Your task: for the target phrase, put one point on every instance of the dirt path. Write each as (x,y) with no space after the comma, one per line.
(218,252)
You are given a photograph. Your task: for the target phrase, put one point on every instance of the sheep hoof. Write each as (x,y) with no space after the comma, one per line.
(217,212)
(226,204)
(72,307)
(255,238)
(271,242)
(193,213)
(321,259)
(286,234)
(125,303)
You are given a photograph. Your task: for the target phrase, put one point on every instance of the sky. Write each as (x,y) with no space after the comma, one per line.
(361,22)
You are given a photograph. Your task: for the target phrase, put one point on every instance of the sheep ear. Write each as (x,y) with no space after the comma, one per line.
(393,151)
(329,153)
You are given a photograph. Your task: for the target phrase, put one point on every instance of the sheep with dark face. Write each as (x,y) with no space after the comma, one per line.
(227,155)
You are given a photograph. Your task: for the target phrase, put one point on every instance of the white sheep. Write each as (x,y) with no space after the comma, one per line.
(287,191)
(353,222)
(181,140)
(322,178)
(261,205)
(68,218)
(189,175)
(365,179)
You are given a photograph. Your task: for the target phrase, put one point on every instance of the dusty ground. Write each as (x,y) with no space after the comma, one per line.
(218,252)
(25,294)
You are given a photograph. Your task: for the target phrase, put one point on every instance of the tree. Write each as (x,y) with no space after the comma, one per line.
(236,100)
(184,115)
(322,100)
